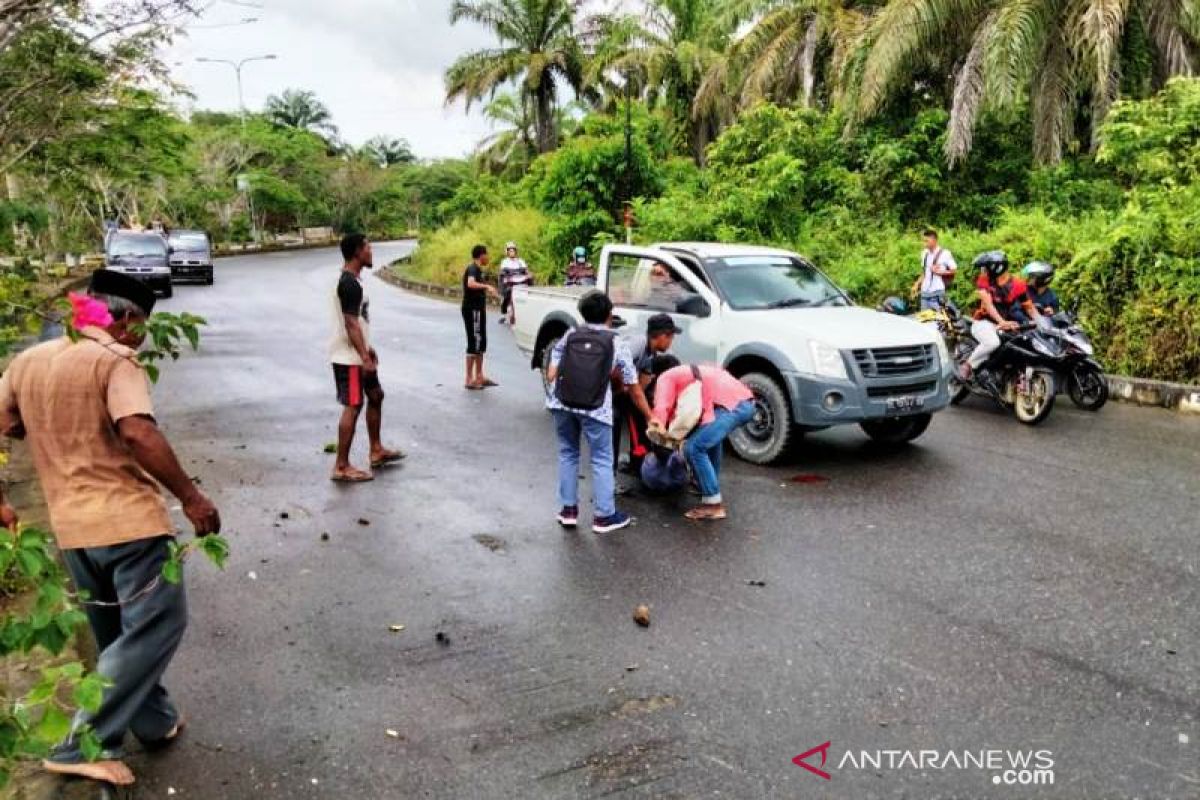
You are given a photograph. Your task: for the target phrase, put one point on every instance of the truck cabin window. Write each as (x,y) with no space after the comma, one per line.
(646,283)
(758,282)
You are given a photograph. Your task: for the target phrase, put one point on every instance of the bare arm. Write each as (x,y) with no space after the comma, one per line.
(355,335)
(153,453)
(638,395)
(487,287)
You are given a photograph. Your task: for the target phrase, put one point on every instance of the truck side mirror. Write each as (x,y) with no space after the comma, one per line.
(694,306)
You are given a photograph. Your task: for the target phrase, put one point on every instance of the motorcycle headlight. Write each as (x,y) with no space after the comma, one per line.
(827,361)
(1043,347)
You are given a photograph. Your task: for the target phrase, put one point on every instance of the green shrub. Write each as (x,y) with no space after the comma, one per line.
(444,253)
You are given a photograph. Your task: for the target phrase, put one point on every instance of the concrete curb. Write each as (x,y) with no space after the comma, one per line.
(1161,394)
(436,290)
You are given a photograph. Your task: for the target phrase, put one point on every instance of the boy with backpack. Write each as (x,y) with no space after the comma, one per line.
(582,366)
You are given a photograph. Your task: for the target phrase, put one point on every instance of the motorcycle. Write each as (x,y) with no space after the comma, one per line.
(1022,375)
(1084,377)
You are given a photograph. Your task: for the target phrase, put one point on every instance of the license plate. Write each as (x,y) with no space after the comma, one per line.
(907,403)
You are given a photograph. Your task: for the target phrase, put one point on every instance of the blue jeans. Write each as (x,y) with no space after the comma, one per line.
(569,426)
(703,448)
(933,300)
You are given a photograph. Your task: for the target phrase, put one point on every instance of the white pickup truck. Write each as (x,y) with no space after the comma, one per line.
(812,358)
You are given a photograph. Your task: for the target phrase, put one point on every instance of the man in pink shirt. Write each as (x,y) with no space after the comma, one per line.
(728,405)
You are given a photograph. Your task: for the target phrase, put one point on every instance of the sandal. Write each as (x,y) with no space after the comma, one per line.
(707,511)
(488,382)
(388,457)
(351,475)
(474,387)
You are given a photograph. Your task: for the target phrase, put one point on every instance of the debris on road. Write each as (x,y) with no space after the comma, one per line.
(395,628)
(641,615)
(364,521)
(330,448)
(393,733)
(252,575)
(442,639)
(284,515)
(325,536)
(493,543)
(756,583)
(631,667)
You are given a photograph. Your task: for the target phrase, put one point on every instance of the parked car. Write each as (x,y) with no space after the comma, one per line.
(141,255)
(812,358)
(190,256)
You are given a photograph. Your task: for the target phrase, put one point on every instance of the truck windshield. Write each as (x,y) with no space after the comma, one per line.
(134,246)
(189,241)
(754,282)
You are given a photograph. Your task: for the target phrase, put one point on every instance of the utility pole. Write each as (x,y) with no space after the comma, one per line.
(243,184)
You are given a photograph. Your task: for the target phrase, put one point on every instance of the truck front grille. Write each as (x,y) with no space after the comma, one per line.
(892,362)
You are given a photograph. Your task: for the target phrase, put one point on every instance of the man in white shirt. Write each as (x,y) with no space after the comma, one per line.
(937,270)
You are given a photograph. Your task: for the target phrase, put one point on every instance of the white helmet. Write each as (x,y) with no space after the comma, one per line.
(510,246)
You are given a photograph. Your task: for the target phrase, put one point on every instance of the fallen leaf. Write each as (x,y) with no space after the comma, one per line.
(442,638)
(364,521)
(324,537)
(331,448)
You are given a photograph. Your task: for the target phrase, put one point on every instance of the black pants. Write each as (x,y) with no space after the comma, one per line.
(628,422)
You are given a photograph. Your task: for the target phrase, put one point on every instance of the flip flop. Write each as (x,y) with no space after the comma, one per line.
(388,457)
(474,387)
(352,476)
(489,382)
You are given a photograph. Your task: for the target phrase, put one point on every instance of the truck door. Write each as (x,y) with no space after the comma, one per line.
(643,281)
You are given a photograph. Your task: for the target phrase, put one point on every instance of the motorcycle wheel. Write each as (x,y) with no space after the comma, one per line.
(1088,388)
(1033,407)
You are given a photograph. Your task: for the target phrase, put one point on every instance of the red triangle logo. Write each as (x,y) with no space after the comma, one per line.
(800,760)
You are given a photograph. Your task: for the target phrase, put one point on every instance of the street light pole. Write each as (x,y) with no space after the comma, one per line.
(237,71)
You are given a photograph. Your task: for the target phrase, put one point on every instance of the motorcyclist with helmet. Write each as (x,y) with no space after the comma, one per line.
(580,271)
(999,294)
(513,272)
(1039,274)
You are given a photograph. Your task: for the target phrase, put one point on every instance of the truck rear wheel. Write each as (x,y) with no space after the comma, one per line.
(899,430)
(769,435)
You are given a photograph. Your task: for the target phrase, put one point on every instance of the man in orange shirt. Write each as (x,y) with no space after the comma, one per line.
(84,408)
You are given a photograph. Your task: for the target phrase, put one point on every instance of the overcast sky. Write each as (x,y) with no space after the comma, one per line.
(377,64)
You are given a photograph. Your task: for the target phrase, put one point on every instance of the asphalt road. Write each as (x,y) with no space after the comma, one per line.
(991,588)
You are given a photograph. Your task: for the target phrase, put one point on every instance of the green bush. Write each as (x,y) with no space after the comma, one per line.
(443,254)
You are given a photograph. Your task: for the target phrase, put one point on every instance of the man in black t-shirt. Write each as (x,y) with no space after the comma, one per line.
(356,364)
(474,313)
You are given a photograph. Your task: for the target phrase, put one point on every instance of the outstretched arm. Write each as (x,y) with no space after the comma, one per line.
(153,453)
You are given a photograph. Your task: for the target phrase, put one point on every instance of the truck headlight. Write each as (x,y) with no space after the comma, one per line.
(827,361)
(943,354)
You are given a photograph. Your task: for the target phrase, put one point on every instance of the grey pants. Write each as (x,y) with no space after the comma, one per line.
(136,641)
(932,300)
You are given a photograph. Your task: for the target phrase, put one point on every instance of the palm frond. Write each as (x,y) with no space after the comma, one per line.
(968,95)
(1013,47)
(1053,98)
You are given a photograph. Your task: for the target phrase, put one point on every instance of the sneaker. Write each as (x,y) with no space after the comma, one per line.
(569,516)
(611,523)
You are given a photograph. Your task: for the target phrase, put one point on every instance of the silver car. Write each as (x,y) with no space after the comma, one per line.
(141,255)
(190,256)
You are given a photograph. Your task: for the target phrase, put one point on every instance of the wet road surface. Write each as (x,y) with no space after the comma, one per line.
(991,588)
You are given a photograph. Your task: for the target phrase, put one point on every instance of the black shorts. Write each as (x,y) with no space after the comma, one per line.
(475,321)
(353,383)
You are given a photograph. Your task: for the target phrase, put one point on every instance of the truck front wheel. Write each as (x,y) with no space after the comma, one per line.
(769,435)
(899,430)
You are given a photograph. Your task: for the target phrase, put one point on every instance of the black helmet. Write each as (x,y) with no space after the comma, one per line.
(893,305)
(994,261)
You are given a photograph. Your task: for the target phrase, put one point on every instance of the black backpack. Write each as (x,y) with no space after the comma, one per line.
(585,369)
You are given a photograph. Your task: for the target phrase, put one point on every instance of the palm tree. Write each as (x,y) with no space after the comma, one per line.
(791,52)
(386,151)
(1062,57)
(538,52)
(665,52)
(513,140)
(300,109)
